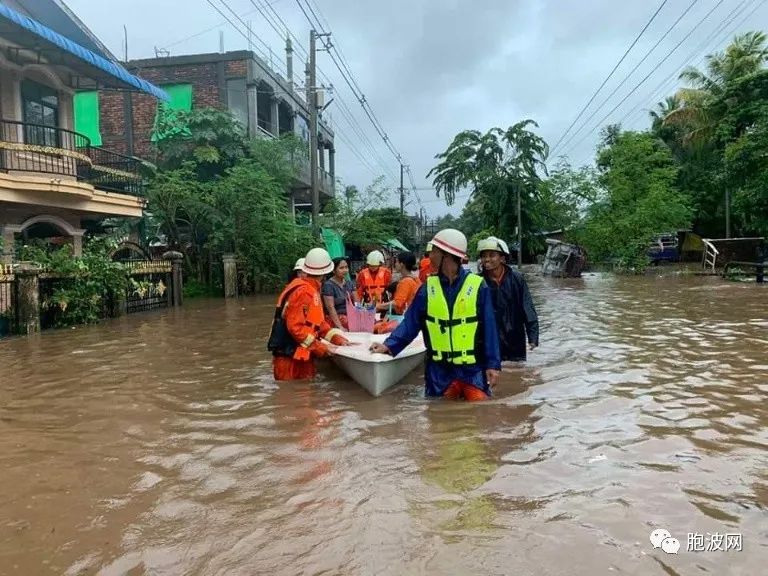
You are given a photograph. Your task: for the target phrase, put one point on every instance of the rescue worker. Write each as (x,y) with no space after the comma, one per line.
(297,271)
(425,265)
(299,322)
(403,294)
(455,313)
(373,280)
(516,316)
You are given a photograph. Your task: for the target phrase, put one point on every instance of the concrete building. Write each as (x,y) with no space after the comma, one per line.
(265,103)
(55,182)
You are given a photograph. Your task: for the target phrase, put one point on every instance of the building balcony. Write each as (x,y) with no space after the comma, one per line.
(35,149)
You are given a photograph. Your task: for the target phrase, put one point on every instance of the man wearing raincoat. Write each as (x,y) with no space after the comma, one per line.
(516,316)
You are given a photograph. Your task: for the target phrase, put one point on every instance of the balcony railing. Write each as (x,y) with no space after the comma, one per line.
(36,148)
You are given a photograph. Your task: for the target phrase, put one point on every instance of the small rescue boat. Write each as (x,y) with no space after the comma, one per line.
(377,372)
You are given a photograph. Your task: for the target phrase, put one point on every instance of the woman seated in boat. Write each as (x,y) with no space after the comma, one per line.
(300,332)
(406,290)
(335,291)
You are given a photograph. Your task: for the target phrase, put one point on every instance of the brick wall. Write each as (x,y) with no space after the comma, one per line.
(204,78)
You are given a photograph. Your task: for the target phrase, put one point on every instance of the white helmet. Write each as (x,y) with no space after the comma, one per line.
(317,262)
(375,258)
(299,264)
(494,244)
(451,241)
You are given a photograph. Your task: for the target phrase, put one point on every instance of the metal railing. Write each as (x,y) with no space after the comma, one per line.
(44,149)
(710,255)
(113,172)
(37,148)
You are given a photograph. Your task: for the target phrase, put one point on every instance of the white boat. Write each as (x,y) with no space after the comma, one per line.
(377,372)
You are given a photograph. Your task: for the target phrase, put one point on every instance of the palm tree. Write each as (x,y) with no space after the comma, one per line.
(662,110)
(700,110)
(500,167)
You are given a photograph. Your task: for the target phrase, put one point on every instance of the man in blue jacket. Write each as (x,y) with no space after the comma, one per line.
(455,312)
(516,316)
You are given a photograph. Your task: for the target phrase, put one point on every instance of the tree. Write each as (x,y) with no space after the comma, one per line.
(636,200)
(502,170)
(702,102)
(213,139)
(218,192)
(362,217)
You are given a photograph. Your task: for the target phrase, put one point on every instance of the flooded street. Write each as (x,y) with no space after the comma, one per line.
(160,444)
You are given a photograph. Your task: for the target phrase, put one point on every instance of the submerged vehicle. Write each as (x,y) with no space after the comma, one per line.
(664,248)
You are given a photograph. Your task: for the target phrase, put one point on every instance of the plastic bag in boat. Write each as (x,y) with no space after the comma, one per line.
(360,319)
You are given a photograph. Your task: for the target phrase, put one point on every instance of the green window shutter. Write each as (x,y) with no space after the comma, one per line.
(180,101)
(86,106)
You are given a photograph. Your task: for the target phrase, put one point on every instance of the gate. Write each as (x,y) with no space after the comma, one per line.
(7,300)
(149,285)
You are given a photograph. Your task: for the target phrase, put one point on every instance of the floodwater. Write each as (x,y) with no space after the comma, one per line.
(160,444)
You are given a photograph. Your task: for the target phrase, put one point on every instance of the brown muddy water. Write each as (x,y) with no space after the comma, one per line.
(160,444)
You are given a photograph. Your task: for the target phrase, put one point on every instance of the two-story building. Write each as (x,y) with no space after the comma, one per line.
(57,181)
(266,104)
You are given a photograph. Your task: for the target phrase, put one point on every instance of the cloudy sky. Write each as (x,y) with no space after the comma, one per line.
(431,68)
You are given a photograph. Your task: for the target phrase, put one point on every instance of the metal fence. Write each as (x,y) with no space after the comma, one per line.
(7,299)
(150,285)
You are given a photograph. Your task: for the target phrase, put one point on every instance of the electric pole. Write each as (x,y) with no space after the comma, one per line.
(727,213)
(402,193)
(312,104)
(519,229)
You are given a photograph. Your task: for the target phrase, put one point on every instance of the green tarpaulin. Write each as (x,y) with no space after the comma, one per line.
(180,101)
(395,243)
(86,106)
(334,243)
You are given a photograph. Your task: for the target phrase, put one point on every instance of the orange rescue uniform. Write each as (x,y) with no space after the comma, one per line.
(404,295)
(370,286)
(425,269)
(305,324)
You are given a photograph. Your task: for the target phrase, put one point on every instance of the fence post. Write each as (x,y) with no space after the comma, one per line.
(177,280)
(230,275)
(27,298)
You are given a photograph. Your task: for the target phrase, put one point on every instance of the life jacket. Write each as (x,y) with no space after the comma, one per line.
(453,333)
(425,269)
(373,288)
(280,342)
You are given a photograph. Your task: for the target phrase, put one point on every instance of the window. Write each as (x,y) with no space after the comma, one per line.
(40,110)
(87,116)
(237,100)
(180,101)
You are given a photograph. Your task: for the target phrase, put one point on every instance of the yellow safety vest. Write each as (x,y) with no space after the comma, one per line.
(452,335)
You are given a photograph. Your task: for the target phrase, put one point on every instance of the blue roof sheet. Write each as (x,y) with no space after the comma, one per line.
(75,49)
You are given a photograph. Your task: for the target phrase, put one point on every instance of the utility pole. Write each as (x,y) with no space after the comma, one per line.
(727,213)
(402,193)
(312,104)
(519,229)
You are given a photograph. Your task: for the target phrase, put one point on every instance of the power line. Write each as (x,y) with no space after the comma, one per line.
(610,75)
(645,78)
(349,79)
(275,21)
(246,36)
(629,75)
(704,46)
(219,25)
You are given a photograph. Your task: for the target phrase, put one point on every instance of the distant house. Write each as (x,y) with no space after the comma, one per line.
(265,103)
(56,179)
